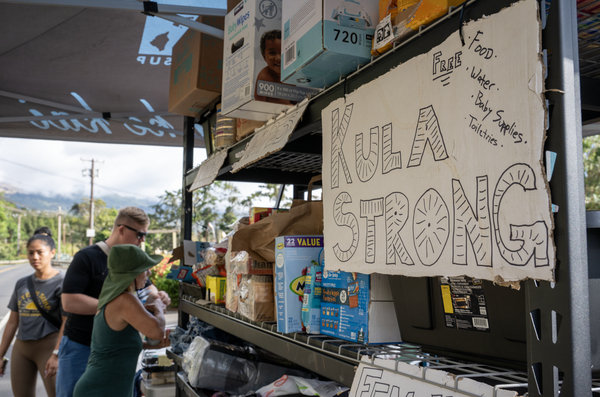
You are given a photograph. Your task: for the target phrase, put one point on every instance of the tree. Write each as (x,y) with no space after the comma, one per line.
(8,230)
(80,221)
(591,168)
(215,208)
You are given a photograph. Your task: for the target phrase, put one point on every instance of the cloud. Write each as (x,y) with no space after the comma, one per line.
(55,167)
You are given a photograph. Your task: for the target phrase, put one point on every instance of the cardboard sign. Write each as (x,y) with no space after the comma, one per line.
(272,138)
(208,170)
(404,380)
(435,168)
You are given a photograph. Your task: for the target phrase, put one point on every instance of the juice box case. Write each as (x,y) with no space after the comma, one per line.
(345,305)
(252,87)
(293,256)
(326,39)
(311,304)
(358,307)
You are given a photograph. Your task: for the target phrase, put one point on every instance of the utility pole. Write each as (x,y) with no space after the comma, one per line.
(59,233)
(18,234)
(92,173)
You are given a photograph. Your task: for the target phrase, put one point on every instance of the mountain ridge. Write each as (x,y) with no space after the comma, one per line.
(36,201)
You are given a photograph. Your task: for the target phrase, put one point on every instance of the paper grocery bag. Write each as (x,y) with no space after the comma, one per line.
(297,202)
(258,239)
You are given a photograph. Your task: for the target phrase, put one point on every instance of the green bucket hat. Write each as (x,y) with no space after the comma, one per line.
(125,263)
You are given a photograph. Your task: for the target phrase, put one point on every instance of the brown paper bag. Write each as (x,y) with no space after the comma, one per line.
(258,239)
(297,202)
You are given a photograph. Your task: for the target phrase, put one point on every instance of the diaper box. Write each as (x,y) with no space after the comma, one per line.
(293,257)
(252,87)
(325,39)
(358,307)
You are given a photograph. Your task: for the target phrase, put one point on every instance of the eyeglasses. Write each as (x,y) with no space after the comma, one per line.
(139,234)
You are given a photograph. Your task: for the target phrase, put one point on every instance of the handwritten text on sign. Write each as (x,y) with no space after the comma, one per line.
(391,378)
(435,167)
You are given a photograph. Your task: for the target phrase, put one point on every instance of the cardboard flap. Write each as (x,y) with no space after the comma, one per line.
(208,170)
(271,138)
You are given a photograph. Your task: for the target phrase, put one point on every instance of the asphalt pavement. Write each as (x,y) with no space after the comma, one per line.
(9,274)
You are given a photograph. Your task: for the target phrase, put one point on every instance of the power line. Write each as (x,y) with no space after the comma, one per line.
(75,180)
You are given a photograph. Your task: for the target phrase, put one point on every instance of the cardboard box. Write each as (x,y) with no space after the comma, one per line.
(326,39)
(410,15)
(311,303)
(231,4)
(196,70)
(255,299)
(189,254)
(244,264)
(349,311)
(258,213)
(216,288)
(293,255)
(252,87)
(246,127)
(232,291)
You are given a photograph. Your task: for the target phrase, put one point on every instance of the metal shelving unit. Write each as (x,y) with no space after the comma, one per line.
(558,342)
(337,359)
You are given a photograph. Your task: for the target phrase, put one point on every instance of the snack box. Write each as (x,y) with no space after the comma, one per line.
(358,307)
(293,255)
(246,127)
(326,39)
(244,264)
(258,213)
(252,87)
(216,287)
(311,303)
(255,298)
(196,70)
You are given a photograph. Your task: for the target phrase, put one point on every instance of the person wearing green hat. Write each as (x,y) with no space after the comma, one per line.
(121,317)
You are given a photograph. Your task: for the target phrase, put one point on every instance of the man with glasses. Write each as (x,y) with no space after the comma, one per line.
(81,288)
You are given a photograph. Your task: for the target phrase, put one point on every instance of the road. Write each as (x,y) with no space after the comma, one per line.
(9,274)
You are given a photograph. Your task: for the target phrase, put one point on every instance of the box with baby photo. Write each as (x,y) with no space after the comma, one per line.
(252,87)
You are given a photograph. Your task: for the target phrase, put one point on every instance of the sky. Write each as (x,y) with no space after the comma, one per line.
(55,167)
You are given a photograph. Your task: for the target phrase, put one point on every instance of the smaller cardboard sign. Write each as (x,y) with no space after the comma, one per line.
(384,33)
(208,170)
(395,378)
(272,138)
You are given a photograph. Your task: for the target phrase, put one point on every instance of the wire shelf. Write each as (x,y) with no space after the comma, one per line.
(291,162)
(355,354)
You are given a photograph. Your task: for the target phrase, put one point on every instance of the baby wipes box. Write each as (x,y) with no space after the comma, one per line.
(252,87)
(293,257)
(326,39)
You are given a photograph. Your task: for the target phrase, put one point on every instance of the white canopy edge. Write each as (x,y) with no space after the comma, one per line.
(125,5)
(165,11)
(83,113)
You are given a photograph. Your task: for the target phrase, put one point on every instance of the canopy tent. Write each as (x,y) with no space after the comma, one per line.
(79,70)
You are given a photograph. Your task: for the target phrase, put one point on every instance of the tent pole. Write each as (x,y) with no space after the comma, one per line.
(188,164)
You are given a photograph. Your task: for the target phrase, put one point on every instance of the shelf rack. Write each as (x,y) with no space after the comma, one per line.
(558,343)
(327,352)
(337,359)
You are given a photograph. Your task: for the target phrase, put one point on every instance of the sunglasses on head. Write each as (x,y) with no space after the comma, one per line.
(139,234)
